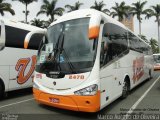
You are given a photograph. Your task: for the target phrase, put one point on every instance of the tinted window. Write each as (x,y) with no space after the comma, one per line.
(114,43)
(137,44)
(15,38)
(134,42)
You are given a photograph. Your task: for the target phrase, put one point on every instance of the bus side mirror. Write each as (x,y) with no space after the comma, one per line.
(34,37)
(2,35)
(94,27)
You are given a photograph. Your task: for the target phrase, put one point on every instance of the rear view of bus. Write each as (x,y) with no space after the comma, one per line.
(66,74)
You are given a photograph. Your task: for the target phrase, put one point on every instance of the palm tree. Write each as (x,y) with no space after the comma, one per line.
(155,12)
(120,10)
(6,7)
(49,8)
(99,6)
(143,37)
(154,45)
(76,6)
(37,22)
(26,2)
(138,9)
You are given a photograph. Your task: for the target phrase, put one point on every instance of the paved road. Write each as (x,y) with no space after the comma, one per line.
(140,102)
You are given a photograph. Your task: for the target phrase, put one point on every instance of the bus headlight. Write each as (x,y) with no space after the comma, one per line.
(91,90)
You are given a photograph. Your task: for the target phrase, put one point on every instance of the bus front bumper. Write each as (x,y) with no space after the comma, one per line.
(69,102)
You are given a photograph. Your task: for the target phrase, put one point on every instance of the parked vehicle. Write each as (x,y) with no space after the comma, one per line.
(16,63)
(87,61)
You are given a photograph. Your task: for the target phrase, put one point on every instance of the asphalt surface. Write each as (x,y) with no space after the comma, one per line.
(142,103)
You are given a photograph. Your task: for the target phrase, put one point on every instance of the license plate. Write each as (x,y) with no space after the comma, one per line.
(54,100)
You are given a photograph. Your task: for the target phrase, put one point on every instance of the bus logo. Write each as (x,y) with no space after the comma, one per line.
(21,68)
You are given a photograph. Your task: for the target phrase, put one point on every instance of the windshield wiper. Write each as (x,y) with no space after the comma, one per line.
(57,51)
(66,56)
(72,68)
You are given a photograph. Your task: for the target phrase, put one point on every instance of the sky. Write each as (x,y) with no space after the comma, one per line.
(149,27)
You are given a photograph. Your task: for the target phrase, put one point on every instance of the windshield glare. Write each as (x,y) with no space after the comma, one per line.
(69,48)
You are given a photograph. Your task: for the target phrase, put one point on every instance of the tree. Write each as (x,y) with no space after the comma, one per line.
(76,6)
(154,45)
(138,9)
(99,6)
(6,7)
(26,2)
(155,12)
(49,8)
(143,37)
(120,10)
(37,22)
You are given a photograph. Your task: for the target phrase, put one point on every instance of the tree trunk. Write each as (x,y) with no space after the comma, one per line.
(158,34)
(52,18)
(139,27)
(26,13)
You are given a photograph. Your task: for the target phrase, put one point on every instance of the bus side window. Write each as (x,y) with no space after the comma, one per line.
(116,41)
(105,51)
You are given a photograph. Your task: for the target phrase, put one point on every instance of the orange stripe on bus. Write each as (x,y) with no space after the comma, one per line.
(94,32)
(25,44)
(70,102)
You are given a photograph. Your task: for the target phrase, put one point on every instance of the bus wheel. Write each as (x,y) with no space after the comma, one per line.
(150,74)
(126,88)
(1,90)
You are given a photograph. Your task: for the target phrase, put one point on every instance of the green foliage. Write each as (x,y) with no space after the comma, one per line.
(154,45)
(6,7)
(99,6)
(49,8)
(76,6)
(138,9)
(26,2)
(38,23)
(120,10)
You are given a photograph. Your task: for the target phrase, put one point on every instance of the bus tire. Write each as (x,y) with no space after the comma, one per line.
(1,89)
(150,74)
(126,88)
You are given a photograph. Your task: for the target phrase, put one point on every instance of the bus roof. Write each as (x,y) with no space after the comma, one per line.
(85,13)
(20,25)
(82,13)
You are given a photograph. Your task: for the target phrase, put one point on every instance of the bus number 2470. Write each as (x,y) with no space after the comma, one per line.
(81,77)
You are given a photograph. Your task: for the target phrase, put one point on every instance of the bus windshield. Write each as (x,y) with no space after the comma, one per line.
(68,50)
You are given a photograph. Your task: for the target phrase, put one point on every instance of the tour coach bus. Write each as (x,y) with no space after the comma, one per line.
(87,60)
(16,63)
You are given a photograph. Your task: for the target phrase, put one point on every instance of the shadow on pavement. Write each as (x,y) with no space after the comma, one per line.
(17,93)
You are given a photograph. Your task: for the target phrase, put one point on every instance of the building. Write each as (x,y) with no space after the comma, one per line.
(129,22)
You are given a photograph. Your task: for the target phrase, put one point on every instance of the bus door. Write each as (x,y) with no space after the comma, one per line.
(113,49)
(108,76)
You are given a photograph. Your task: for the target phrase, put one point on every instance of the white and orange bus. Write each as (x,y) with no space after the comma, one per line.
(87,60)
(16,63)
